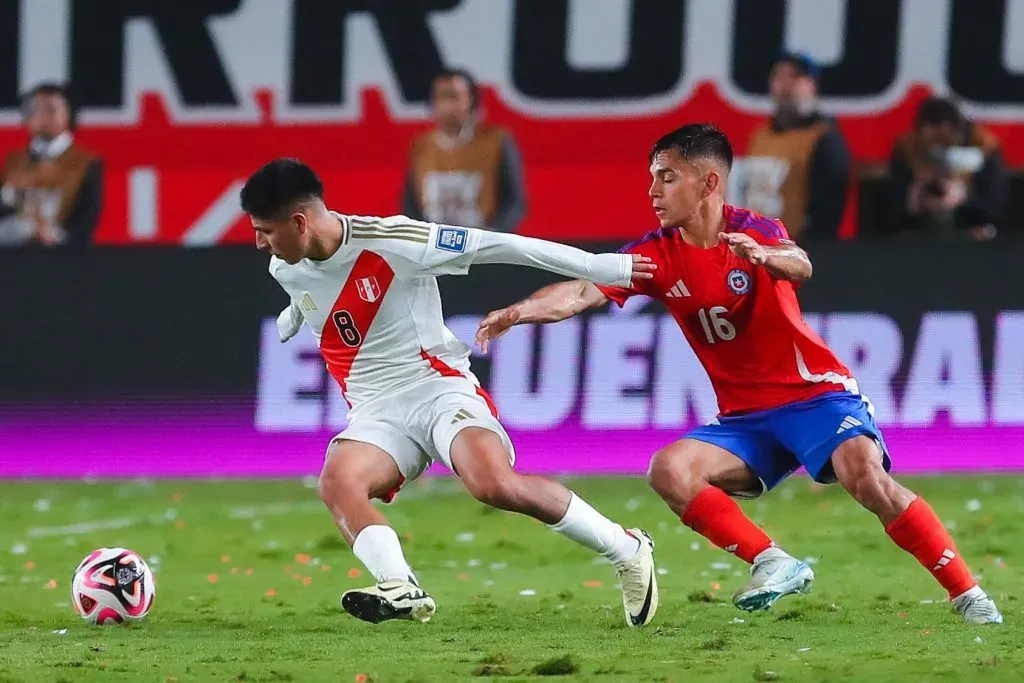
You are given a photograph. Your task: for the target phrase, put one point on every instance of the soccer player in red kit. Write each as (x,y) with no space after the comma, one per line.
(729,276)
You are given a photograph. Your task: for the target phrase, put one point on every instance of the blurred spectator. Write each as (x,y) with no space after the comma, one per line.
(947,176)
(464,171)
(49,191)
(798,165)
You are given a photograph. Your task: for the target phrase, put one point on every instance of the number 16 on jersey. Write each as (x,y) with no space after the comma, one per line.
(716,328)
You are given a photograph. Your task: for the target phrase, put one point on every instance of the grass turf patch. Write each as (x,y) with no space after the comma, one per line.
(249,575)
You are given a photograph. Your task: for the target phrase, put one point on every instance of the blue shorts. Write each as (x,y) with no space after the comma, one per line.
(775,443)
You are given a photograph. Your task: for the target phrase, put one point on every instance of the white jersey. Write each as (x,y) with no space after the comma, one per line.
(375,308)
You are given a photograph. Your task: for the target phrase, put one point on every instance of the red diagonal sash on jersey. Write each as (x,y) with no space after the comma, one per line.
(353,313)
(448,371)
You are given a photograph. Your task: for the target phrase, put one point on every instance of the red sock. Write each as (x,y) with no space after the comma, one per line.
(717,517)
(920,533)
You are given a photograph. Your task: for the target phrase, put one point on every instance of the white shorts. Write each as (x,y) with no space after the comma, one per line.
(416,426)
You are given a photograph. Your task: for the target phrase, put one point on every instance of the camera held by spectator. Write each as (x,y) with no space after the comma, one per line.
(948,179)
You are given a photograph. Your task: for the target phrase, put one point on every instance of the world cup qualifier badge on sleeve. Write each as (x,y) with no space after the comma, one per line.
(452,239)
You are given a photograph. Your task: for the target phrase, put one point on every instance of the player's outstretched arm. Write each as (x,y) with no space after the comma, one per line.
(438,249)
(547,305)
(783,261)
(619,270)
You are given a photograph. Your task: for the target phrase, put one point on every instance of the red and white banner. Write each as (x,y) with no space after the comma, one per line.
(184,100)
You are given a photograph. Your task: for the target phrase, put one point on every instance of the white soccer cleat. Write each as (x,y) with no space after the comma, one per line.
(977,608)
(639,582)
(773,576)
(389,600)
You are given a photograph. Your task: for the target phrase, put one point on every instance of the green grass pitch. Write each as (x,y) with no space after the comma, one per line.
(249,575)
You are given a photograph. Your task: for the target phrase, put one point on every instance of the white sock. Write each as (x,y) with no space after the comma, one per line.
(590,528)
(975,592)
(377,547)
(772,552)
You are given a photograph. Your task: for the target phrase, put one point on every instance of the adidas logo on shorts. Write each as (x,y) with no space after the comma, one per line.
(849,423)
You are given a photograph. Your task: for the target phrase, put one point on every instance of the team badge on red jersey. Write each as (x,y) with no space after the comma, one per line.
(738,281)
(368,289)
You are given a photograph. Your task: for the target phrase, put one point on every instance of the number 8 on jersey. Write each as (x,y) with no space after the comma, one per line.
(350,334)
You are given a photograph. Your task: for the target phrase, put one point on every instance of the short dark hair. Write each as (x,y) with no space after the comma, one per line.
(694,141)
(272,192)
(456,72)
(939,110)
(49,88)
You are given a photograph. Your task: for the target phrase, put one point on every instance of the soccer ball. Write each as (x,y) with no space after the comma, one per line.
(112,585)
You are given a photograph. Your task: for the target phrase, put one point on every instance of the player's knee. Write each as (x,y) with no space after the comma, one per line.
(497,489)
(659,471)
(481,461)
(674,475)
(339,483)
(328,487)
(858,468)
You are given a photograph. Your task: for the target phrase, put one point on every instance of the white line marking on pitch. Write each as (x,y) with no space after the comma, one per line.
(82,528)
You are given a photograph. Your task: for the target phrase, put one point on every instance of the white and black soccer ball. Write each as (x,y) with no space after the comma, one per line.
(111,586)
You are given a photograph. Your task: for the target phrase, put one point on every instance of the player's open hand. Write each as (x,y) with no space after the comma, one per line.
(643,269)
(745,247)
(496,324)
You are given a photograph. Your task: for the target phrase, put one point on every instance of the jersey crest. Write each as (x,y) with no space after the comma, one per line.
(738,281)
(368,289)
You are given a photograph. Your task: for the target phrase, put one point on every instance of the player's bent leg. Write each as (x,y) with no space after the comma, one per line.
(858,467)
(481,460)
(353,474)
(912,525)
(681,471)
(695,479)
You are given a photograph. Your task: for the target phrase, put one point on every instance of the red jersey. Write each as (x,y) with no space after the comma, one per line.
(743,324)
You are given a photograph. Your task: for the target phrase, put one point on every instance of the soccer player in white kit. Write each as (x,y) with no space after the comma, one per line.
(367,288)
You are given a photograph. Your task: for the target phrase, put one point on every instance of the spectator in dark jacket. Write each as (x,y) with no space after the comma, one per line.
(947,176)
